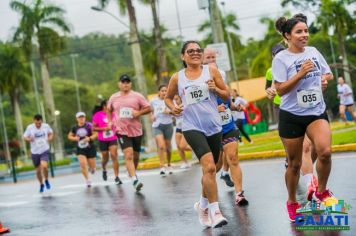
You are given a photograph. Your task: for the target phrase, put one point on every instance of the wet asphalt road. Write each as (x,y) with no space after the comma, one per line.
(165,205)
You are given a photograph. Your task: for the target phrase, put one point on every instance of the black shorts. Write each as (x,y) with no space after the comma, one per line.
(178,130)
(37,158)
(104,145)
(293,126)
(127,142)
(202,144)
(89,152)
(229,137)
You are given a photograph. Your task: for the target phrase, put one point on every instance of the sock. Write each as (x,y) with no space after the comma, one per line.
(224,173)
(213,207)
(203,203)
(307,178)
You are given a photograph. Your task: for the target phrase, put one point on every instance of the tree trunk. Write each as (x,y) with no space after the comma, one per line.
(216,24)
(19,125)
(345,63)
(50,108)
(137,61)
(162,72)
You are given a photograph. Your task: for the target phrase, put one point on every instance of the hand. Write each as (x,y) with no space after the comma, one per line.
(77,138)
(108,127)
(240,107)
(153,118)
(306,67)
(135,114)
(211,85)
(271,92)
(177,110)
(221,108)
(87,139)
(324,83)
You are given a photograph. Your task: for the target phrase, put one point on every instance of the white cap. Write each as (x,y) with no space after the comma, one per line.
(79,114)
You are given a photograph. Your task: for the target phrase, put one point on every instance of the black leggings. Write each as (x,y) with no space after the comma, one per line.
(239,124)
(202,144)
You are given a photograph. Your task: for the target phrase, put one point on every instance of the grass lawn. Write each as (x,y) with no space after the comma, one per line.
(269,141)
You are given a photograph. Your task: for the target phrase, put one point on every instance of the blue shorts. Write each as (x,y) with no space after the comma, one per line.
(37,158)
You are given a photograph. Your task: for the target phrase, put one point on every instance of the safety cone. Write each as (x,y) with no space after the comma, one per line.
(3,230)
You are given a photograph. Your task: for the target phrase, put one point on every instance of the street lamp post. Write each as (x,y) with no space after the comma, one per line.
(73,56)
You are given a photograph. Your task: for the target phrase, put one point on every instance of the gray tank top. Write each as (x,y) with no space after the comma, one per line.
(200,110)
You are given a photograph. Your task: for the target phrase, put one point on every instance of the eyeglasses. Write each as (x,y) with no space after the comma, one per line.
(193,51)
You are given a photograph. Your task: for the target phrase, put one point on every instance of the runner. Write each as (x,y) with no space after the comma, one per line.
(181,143)
(128,106)
(107,140)
(199,85)
(82,134)
(239,116)
(39,135)
(344,93)
(162,125)
(299,73)
(230,147)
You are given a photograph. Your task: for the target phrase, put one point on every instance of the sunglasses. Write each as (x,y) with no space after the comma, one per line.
(194,51)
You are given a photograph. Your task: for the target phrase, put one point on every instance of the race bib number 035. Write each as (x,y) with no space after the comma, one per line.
(309,98)
(196,93)
(125,112)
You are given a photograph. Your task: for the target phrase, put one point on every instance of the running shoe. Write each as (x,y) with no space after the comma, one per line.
(218,220)
(292,210)
(42,188)
(185,165)
(170,170)
(203,215)
(163,172)
(48,186)
(312,188)
(137,185)
(227,180)
(88,183)
(105,175)
(118,180)
(240,199)
(327,197)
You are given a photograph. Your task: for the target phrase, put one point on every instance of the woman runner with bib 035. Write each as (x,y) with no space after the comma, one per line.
(198,86)
(299,73)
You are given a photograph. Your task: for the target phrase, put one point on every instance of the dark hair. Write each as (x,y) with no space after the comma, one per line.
(161,86)
(284,25)
(184,47)
(37,117)
(99,107)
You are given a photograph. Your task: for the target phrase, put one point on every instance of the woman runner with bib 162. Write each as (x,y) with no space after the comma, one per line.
(199,86)
(299,73)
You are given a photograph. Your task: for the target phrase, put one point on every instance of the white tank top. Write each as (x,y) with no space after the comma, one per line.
(200,110)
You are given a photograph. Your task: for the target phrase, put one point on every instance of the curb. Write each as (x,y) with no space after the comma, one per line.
(257,155)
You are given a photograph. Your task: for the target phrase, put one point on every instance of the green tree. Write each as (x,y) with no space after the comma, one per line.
(15,79)
(38,21)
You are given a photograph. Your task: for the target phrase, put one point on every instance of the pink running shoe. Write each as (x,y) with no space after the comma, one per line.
(292,210)
(327,197)
(203,215)
(312,188)
(218,220)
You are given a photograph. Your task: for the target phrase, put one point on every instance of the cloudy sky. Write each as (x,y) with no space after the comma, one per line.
(83,20)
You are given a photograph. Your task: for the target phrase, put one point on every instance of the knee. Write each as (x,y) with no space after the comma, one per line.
(324,155)
(233,160)
(306,147)
(210,169)
(294,166)
(161,148)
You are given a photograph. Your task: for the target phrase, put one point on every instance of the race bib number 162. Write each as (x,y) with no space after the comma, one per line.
(196,93)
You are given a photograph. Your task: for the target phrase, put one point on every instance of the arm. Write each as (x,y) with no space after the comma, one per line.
(72,137)
(171,91)
(50,137)
(217,85)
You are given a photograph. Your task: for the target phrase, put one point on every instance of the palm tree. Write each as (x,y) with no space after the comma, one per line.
(15,79)
(37,22)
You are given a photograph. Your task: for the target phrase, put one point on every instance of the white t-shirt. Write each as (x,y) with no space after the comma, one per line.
(40,143)
(158,106)
(306,97)
(342,91)
(239,114)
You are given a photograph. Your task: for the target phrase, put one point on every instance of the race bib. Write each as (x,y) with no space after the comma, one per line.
(40,142)
(160,109)
(125,112)
(108,134)
(309,98)
(226,116)
(83,144)
(196,93)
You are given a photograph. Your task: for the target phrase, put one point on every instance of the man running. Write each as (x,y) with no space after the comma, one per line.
(39,135)
(128,106)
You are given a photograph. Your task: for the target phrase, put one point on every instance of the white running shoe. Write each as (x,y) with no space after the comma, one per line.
(203,215)
(88,183)
(170,169)
(218,220)
(163,172)
(185,165)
